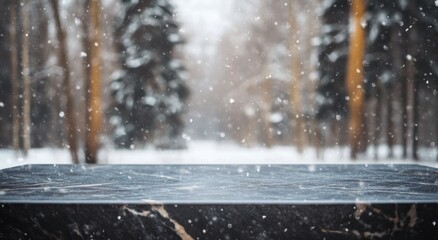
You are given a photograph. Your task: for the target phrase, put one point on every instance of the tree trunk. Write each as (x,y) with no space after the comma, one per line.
(411,93)
(404,103)
(413,85)
(364,130)
(94,113)
(14,78)
(63,62)
(316,137)
(26,78)
(85,61)
(266,92)
(354,77)
(389,122)
(397,69)
(415,120)
(377,120)
(294,93)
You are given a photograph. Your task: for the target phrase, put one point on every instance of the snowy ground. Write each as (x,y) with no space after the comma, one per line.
(212,153)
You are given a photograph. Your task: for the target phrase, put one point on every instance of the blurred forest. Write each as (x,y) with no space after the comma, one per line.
(313,74)
(81,74)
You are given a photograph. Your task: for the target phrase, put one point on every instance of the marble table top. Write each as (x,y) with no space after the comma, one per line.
(226,184)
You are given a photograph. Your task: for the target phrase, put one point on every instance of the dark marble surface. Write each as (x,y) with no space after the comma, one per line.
(217,221)
(219,202)
(288,184)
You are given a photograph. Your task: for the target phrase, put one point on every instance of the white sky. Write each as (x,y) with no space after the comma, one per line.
(203,22)
(205,16)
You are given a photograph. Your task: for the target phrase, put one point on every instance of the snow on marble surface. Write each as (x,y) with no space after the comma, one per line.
(296,184)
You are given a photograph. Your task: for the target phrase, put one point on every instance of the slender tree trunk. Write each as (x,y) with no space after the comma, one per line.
(251,135)
(316,137)
(397,62)
(404,103)
(94,113)
(354,77)
(404,91)
(389,122)
(412,98)
(297,122)
(54,114)
(410,89)
(14,78)
(377,119)
(267,136)
(63,62)
(413,86)
(86,68)
(364,130)
(26,77)
(415,89)
(415,120)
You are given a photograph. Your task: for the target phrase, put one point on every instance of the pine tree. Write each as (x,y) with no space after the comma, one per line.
(332,49)
(149,91)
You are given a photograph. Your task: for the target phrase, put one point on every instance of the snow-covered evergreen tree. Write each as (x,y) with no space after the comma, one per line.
(332,55)
(149,91)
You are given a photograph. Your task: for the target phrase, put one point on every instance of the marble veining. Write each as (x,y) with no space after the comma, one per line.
(264,184)
(398,221)
(159,208)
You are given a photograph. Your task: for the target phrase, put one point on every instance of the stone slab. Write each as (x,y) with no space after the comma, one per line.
(219,202)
